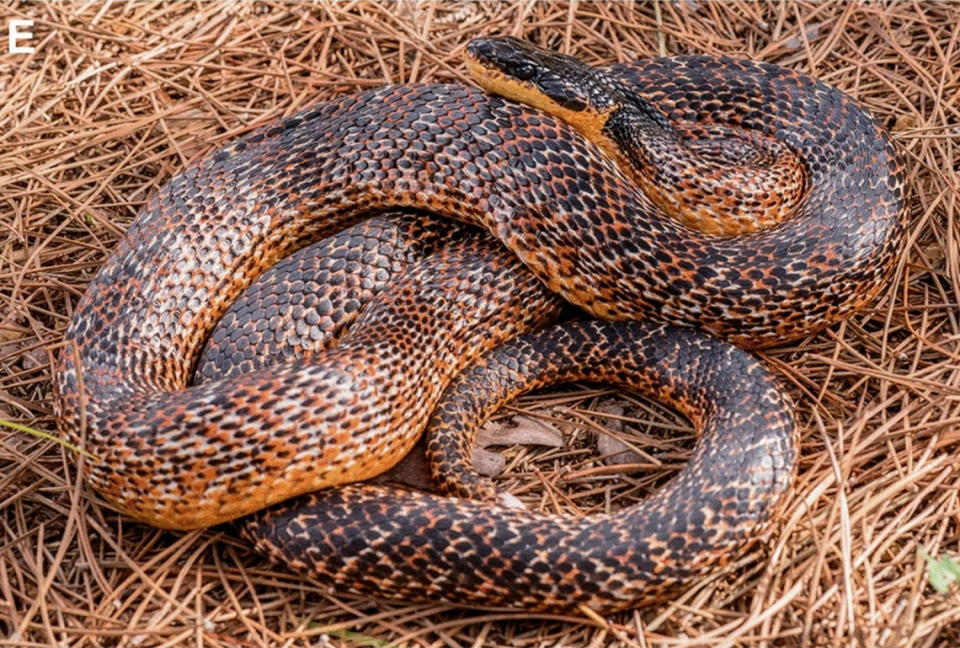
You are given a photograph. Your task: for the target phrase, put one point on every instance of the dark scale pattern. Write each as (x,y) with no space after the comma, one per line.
(186,456)
(202,455)
(718,178)
(387,542)
(305,303)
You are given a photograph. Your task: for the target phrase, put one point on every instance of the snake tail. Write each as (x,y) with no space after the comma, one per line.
(401,544)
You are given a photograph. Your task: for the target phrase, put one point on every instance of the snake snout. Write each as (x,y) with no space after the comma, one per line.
(532,75)
(508,55)
(507,52)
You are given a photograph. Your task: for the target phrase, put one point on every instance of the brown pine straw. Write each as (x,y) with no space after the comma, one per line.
(118,97)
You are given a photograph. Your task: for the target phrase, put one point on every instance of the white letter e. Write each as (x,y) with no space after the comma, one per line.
(16,34)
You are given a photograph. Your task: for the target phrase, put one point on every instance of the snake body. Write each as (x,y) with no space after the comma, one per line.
(374,540)
(182,456)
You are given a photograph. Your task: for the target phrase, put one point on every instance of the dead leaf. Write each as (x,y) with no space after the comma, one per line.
(811,32)
(934,254)
(905,123)
(487,463)
(523,431)
(613,450)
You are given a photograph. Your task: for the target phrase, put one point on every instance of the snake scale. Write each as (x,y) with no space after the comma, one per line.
(591,209)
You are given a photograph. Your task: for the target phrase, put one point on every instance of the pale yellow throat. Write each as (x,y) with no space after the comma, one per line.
(590,121)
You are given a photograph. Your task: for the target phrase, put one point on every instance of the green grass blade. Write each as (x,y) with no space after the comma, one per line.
(46,435)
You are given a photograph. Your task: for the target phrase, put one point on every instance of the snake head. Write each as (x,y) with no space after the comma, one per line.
(583,96)
(538,77)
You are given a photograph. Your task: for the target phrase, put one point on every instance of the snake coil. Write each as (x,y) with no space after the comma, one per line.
(568,222)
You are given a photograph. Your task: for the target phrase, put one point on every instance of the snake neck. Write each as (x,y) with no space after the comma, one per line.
(720,180)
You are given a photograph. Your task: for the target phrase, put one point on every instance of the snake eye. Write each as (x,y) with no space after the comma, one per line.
(525,71)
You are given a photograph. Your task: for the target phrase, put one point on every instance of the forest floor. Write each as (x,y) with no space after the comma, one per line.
(118,97)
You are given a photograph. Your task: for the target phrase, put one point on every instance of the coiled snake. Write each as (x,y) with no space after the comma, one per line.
(569,222)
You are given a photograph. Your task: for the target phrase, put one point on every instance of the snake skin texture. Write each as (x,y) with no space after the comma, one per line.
(717,178)
(184,456)
(304,304)
(210,453)
(408,545)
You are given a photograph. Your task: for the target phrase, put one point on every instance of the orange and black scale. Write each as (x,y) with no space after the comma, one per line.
(395,543)
(180,455)
(305,304)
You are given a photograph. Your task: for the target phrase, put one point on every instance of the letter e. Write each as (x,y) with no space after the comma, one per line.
(16,34)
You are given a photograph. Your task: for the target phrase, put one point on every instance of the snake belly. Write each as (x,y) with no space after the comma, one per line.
(180,456)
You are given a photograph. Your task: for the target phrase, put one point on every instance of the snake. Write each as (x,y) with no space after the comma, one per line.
(571,184)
